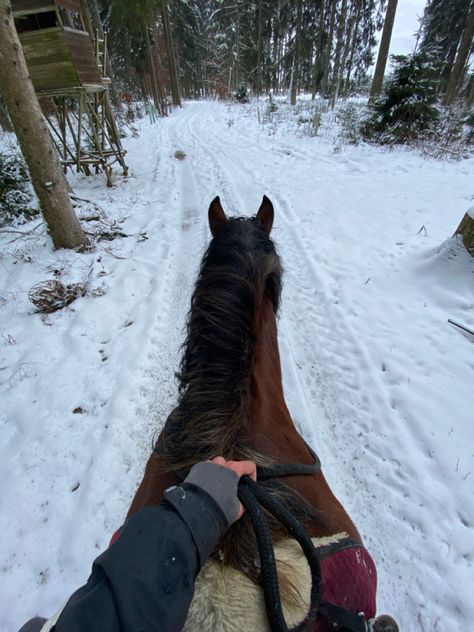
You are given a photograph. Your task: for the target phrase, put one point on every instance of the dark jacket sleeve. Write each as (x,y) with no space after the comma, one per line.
(145,580)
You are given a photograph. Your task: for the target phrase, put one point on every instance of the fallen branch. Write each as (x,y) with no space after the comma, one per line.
(466,329)
(29,234)
(19,232)
(78,199)
(440,149)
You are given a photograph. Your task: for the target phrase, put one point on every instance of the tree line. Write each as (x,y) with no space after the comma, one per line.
(216,47)
(198,48)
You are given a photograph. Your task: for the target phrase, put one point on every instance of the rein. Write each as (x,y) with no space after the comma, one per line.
(253,497)
(291,469)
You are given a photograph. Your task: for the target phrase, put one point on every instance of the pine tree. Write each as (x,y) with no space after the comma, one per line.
(339,51)
(317,72)
(329,46)
(442,28)
(171,53)
(407,109)
(383,50)
(458,70)
(296,53)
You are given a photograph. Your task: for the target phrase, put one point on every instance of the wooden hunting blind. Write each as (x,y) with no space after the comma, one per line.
(67,62)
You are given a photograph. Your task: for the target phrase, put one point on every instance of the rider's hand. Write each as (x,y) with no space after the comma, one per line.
(240,468)
(220,479)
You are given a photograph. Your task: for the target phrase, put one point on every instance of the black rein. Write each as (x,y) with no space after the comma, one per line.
(253,497)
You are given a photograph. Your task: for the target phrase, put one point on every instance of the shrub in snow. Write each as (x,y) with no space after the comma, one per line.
(241,95)
(349,116)
(407,110)
(15,194)
(468,128)
(272,106)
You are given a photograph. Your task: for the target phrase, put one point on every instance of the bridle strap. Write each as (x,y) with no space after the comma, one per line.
(290,469)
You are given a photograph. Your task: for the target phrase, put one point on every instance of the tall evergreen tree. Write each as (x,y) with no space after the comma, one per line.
(442,27)
(407,108)
(458,70)
(296,52)
(384,48)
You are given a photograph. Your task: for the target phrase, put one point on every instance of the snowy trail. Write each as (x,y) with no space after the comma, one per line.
(321,347)
(374,378)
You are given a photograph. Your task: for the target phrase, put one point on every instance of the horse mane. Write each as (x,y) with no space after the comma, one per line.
(239,266)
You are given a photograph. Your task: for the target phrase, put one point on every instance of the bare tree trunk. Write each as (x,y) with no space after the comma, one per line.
(318,60)
(383,50)
(348,25)
(457,72)
(267,64)
(151,61)
(48,180)
(158,67)
(469,98)
(466,230)
(258,79)
(279,50)
(352,49)
(5,122)
(327,59)
(295,73)
(339,51)
(171,55)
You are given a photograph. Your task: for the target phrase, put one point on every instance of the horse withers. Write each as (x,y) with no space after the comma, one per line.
(231,403)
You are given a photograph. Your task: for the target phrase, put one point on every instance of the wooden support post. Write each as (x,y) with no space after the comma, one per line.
(93,116)
(79,133)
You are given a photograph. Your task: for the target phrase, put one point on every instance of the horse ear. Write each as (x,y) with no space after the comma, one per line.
(216,215)
(265,215)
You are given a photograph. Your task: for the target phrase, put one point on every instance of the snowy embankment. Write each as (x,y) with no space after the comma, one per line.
(376,378)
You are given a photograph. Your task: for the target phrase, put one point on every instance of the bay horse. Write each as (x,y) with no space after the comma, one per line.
(231,403)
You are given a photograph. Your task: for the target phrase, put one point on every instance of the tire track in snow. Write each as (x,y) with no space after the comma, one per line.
(186,245)
(154,259)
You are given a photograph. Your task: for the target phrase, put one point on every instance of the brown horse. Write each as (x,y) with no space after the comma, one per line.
(231,403)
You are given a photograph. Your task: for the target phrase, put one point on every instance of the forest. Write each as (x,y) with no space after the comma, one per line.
(158,53)
(130,131)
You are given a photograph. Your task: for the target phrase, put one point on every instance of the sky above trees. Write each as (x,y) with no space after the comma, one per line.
(406,25)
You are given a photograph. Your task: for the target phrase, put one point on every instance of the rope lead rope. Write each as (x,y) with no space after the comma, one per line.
(254,497)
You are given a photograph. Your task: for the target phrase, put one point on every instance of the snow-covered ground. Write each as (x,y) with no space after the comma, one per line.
(376,378)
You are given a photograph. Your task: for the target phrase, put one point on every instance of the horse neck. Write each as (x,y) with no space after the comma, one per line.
(270,427)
